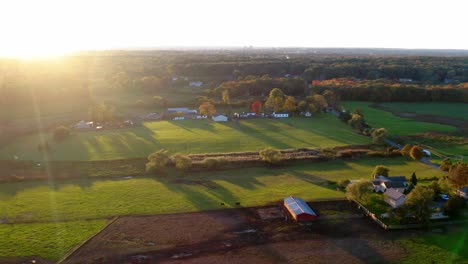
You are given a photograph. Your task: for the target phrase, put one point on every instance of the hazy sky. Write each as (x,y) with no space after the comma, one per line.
(48,27)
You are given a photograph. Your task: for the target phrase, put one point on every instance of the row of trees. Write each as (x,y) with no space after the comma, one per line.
(389,91)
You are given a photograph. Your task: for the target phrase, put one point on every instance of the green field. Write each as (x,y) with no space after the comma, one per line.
(457,110)
(87,199)
(48,240)
(451,247)
(395,125)
(190,136)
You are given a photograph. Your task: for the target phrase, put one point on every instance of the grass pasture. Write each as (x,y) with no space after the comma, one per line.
(455,110)
(189,136)
(395,125)
(449,247)
(87,199)
(48,240)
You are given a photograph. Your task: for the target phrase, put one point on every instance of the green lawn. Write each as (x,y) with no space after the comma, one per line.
(457,110)
(437,248)
(86,199)
(394,124)
(48,240)
(190,136)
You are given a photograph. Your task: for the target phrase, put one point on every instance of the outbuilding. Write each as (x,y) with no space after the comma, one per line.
(298,209)
(219,118)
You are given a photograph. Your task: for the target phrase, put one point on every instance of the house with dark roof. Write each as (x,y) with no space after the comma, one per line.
(394,198)
(382,183)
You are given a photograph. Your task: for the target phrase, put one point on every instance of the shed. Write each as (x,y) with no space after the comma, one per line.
(394,198)
(219,118)
(299,210)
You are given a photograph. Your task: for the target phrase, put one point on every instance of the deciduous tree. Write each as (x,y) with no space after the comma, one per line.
(207,109)
(380,170)
(416,152)
(290,104)
(419,203)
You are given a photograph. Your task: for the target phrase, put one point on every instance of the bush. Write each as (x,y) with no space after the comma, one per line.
(181,162)
(405,151)
(61,133)
(157,161)
(454,205)
(272,156)
(380,170)
(214,163)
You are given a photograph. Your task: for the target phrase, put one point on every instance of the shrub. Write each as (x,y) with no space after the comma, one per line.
(214,163)
(181,162)
(272,156)
(157,161)
(405,151)
(61,133)
(380,170)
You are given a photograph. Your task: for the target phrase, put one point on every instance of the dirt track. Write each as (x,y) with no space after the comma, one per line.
(238,236)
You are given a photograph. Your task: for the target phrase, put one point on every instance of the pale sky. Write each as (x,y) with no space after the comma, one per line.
(47,27)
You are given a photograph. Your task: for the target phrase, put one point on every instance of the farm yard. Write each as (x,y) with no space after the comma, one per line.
(189,136)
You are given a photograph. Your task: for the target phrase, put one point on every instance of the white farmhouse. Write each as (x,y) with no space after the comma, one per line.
(280,114)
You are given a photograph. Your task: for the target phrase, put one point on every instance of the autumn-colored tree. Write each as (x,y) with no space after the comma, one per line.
(333,99)
(312,109)
(458,175)
(319,101)
(378,135)
(302,106)
(290,104)
(275,100)
(157,161)
(207,109)
(356,121)
(416,152)
(256,107)
(405,151)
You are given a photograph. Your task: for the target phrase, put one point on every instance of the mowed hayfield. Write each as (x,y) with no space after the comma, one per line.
(88,199)
(189,136)
(395,125)
(47,240)
(455,110)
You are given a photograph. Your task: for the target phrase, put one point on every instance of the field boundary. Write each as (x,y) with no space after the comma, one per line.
(84,242)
